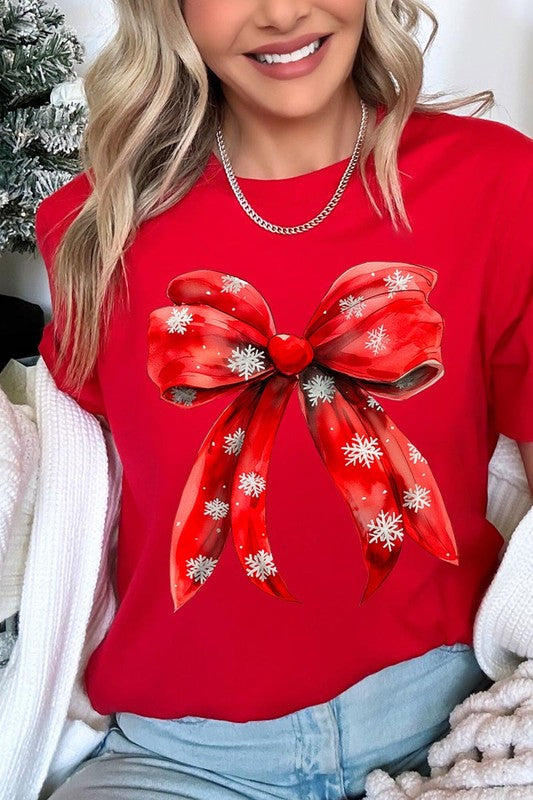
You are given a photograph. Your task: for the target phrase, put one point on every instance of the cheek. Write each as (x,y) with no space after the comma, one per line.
(212,25)
(350,12)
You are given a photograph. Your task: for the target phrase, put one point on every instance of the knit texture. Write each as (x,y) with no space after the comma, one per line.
(59,581)
(487,755)
(19,467)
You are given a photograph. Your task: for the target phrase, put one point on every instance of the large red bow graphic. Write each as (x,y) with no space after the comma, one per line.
(374,331)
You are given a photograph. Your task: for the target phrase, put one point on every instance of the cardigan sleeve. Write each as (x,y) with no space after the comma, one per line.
(509,316)
(53,216)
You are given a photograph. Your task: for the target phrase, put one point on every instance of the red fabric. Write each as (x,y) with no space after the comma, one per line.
(235,652)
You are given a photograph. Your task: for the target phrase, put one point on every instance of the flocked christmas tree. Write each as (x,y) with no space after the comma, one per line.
(42,113)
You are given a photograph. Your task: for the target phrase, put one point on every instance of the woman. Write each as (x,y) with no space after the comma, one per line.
(221,190)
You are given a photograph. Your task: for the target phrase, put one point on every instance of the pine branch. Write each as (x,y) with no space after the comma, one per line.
(39,141)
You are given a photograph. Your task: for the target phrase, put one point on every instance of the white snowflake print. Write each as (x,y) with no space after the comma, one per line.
(415,454)
(232,284)
(320,387)
(260,565)
(362,450)
(183,395)
(252,483)
(217,508)
(397,282)
(378,339)
(373,403)
(246,361)
(352,306)
(416,498)
(179,319)
(234,442)
(201,568)
(385,528)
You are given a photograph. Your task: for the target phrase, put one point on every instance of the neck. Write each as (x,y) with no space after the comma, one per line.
(273,148)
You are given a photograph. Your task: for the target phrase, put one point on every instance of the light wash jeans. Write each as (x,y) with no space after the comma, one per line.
(322,752)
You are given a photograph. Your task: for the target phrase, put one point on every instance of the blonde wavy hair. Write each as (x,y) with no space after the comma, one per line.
(154,108)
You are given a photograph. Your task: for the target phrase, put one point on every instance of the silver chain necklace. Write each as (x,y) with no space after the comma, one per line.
(324,213)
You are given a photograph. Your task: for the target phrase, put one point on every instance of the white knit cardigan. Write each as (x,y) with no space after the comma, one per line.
(59,509)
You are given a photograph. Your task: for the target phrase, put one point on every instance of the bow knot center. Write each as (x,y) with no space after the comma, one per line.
(290,354)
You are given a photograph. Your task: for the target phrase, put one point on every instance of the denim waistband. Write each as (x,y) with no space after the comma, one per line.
(388,720)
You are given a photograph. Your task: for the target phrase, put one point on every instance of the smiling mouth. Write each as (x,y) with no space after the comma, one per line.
(254,56)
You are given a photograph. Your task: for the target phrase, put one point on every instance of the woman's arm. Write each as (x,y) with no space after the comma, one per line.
(526,451)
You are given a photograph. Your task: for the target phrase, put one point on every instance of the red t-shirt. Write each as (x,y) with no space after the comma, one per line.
(236,653)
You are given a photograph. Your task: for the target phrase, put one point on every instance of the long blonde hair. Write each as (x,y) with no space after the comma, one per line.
(153,112)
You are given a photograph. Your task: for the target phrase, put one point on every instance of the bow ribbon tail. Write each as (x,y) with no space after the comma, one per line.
(354,449)
(202,521)
(248,496)
(425,516)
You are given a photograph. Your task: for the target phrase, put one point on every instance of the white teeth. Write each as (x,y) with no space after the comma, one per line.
(283,58)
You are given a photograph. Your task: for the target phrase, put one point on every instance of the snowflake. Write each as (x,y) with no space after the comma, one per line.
(416,498)
(216,508)
(385,529)
(232,284)
(261,565)
(179,319)
(183,395)
(252,483)
(415,455)
(361,450)
(320,387)
(234,441)
(378,339)
(373,403)
(397,282)
(352,306)
(246,361)
(201,568)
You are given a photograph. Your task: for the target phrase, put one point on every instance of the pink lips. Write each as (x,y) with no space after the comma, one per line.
(292,69)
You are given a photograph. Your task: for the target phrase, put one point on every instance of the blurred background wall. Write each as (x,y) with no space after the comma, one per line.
(481,44)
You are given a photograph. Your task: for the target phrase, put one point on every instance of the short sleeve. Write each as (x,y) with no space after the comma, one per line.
(52,219)
(509,316)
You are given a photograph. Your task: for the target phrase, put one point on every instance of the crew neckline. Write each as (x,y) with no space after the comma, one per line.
(215,169)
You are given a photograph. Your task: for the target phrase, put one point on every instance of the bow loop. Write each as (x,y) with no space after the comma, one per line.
(383,333)
(196,351)
(234,296)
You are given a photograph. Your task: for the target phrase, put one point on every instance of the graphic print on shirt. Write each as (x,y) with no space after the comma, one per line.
(373,333)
